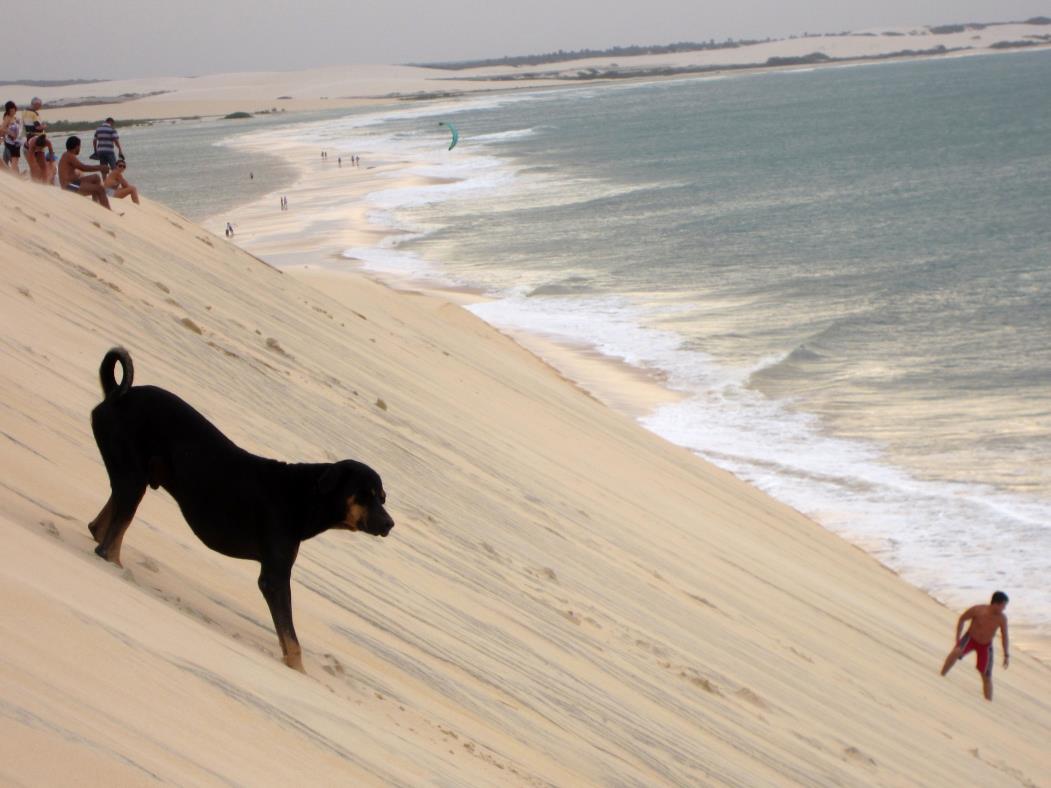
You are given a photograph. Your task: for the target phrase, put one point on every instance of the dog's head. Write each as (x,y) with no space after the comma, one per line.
(352,497)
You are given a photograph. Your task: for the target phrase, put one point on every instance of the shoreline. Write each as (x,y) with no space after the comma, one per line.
(629,390)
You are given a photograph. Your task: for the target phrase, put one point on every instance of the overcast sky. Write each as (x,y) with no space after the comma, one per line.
(127,38)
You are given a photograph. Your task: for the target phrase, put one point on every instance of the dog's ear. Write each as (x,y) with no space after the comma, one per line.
(330,479)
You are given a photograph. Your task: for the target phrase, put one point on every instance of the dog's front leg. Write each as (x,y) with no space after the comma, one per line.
(275,583)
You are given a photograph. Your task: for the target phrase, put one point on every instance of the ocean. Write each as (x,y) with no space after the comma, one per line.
(844,273)
(187,166)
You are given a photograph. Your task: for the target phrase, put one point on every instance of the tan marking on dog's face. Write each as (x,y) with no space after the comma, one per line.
(356,515)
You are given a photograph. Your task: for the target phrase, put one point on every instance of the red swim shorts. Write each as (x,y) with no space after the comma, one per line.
(984,651)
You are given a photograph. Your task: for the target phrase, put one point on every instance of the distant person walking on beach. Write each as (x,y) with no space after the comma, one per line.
(229,230)
(106,139)
(985,620)
(71,175)
(339,161)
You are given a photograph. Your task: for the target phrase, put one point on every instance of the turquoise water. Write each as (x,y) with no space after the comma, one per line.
(844,270)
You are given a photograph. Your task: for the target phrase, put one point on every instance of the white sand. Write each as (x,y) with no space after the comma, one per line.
(565,599)
(353,85)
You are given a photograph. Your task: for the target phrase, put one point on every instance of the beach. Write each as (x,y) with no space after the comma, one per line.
(567,598)
(779,327)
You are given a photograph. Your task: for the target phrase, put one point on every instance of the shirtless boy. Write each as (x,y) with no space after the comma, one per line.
(71,177)
(985,620)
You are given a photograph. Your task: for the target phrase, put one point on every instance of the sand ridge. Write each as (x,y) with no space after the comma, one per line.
(566,599)
(353,85)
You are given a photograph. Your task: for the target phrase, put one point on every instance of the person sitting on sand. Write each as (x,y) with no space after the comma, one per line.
(985,620)
(72,177)
(117,186)
(40,155)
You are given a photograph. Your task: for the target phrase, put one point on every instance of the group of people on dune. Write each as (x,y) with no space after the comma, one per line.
(27,138)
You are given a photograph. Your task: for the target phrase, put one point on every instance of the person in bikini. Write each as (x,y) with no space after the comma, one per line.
(72,177)
(985,620)
(117,185)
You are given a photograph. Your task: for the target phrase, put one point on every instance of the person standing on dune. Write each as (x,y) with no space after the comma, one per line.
(105,141)
(985,620)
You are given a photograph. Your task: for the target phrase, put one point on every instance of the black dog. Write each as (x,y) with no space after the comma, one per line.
(237,503)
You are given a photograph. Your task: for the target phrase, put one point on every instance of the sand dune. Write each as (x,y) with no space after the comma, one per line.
(331,87)
(566,599)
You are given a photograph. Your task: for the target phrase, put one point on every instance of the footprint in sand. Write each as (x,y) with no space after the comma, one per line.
(51,529)
(275,346)
(332,666)
(150,564)
(857,756)
(701,682)
(227,353)
(187,323)
(702,600)
(749,696)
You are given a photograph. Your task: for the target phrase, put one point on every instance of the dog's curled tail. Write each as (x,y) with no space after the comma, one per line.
(110,388)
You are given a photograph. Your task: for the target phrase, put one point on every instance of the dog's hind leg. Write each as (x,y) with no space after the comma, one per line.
(275,583)
(121,508)
(100,525)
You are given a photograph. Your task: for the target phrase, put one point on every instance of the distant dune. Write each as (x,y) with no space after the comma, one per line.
(344,86)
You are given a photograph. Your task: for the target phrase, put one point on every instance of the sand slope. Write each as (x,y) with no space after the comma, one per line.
(566,599)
